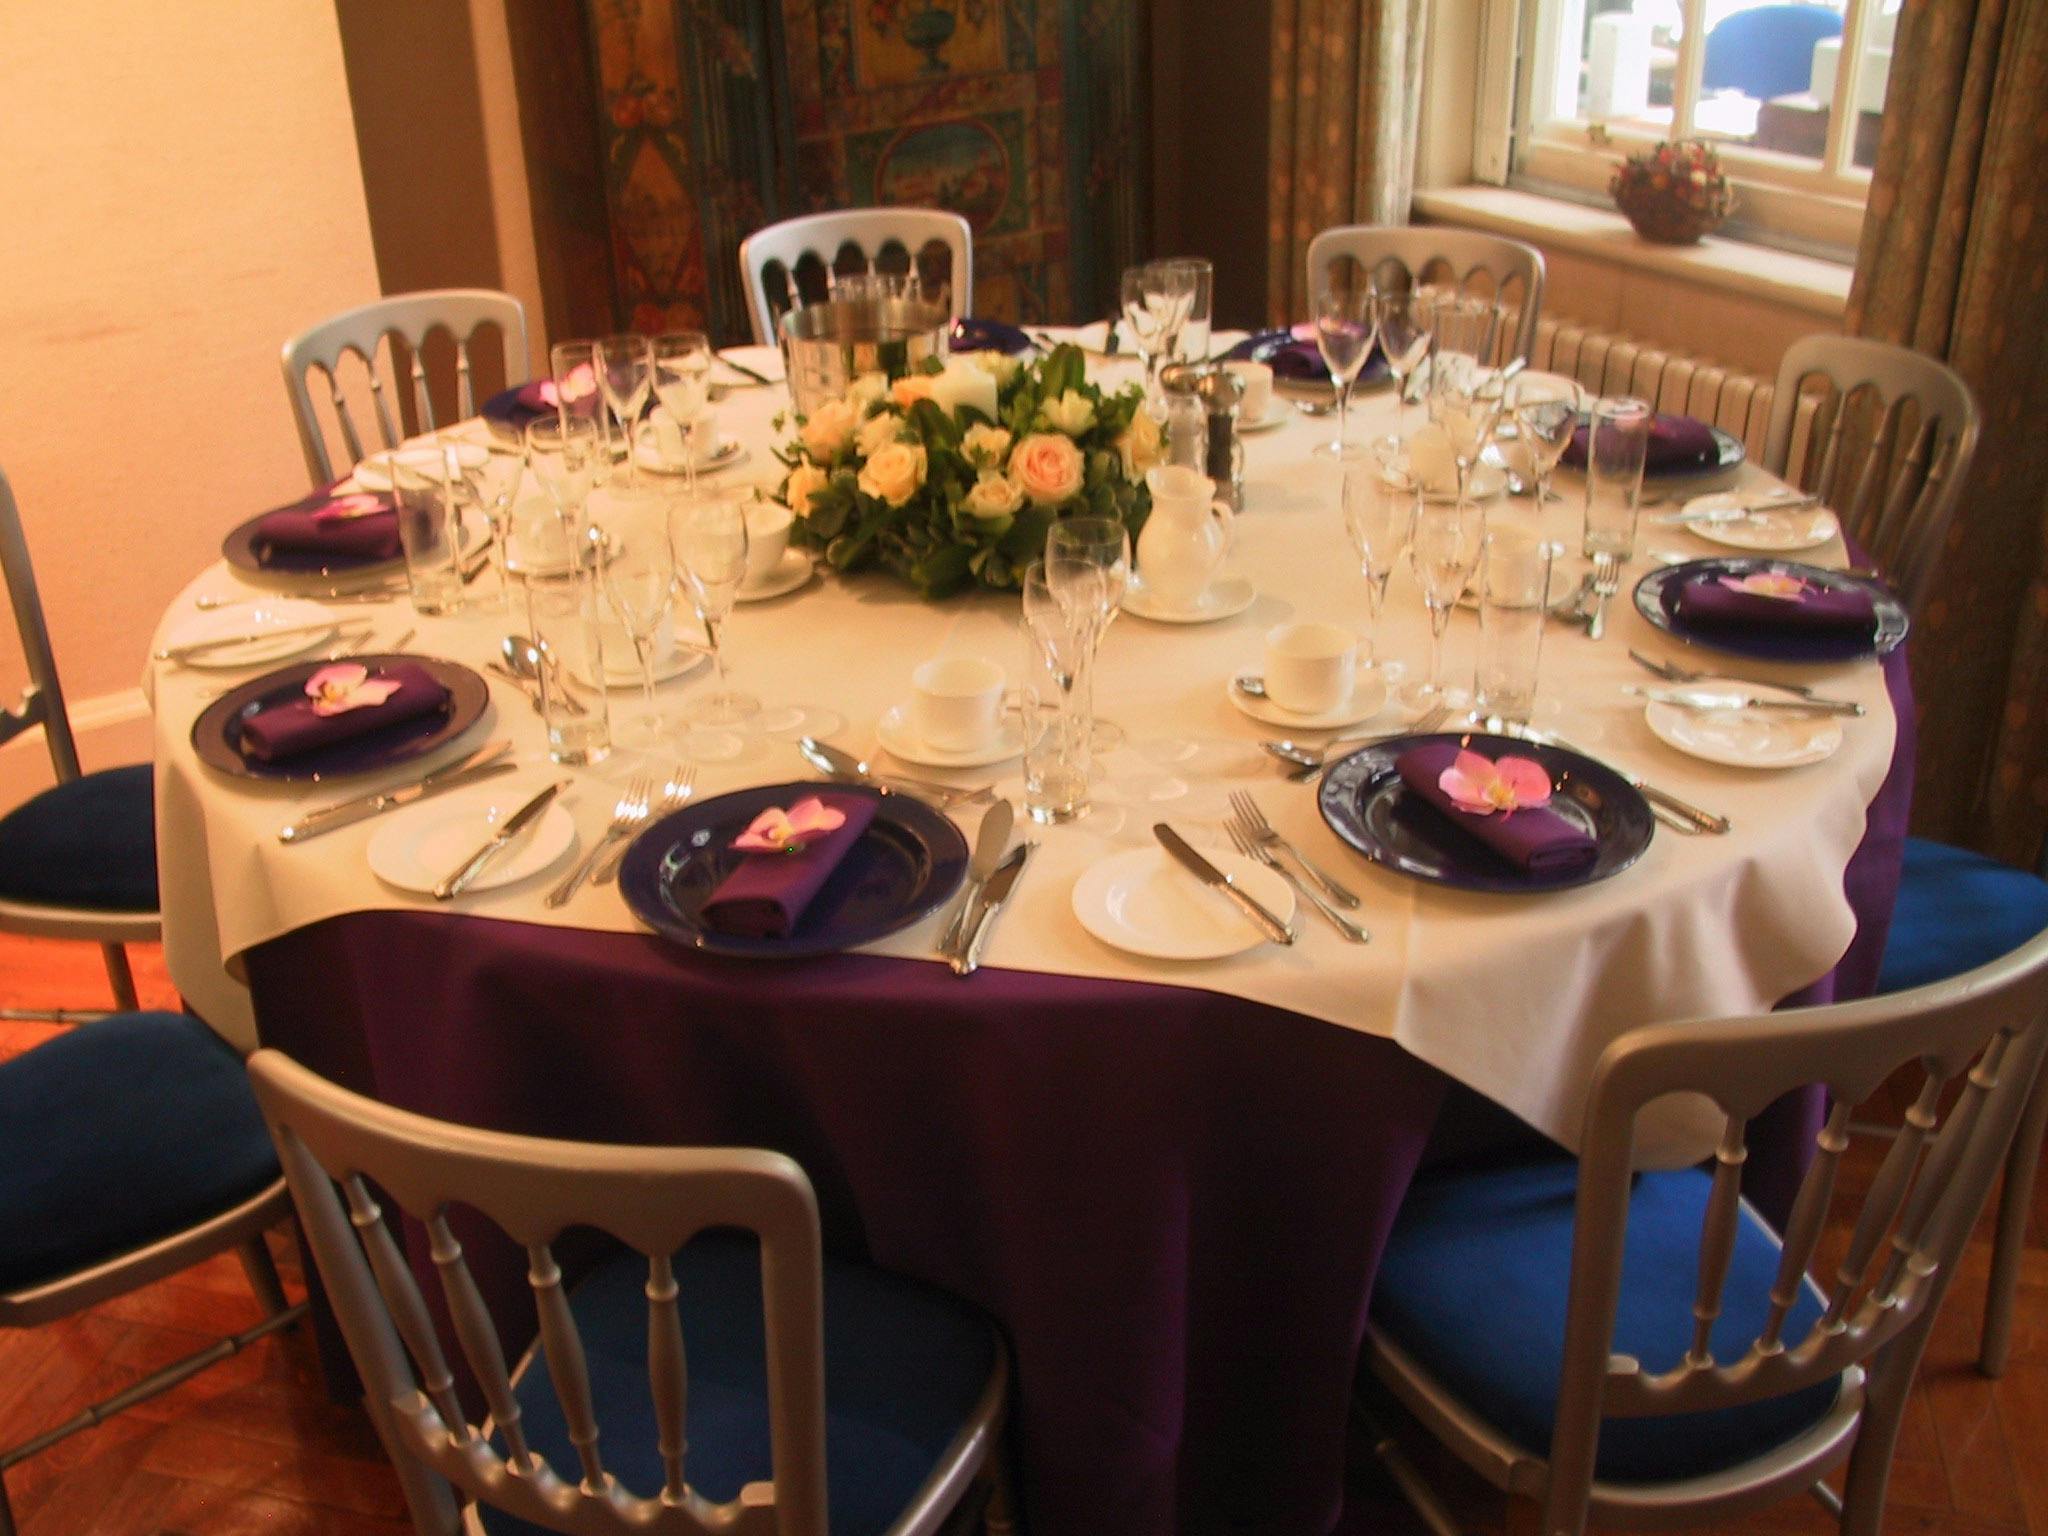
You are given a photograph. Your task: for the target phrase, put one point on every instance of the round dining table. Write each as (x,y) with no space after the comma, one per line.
(1169,1182)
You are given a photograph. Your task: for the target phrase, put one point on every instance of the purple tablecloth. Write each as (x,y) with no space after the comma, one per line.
(1174,1202)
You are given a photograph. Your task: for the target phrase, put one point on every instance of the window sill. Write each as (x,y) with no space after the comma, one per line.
(1801,282)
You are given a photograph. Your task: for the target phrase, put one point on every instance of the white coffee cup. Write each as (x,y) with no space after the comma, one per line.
(672,440)
(1257,379)
(956,702)
(1310,668)
(767,538)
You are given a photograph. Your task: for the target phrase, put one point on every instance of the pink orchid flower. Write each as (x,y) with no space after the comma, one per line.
(347,508)
(579,384)
(1778,584)
(778,831)
(1478,784)
(338,689)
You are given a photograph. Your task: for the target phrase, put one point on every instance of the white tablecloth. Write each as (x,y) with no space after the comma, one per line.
(1514,996)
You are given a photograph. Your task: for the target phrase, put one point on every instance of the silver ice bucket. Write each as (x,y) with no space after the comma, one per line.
(826,346)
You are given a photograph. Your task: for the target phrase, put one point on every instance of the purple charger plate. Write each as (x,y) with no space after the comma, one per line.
(1656,598)
(1365,803)
(906,865)
(217,733)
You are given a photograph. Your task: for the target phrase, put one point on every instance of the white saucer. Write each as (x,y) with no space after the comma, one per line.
(1766,531)
(1487,481)
(1278,413)
(254,619)
(622,672)
(788,573)
(373,474)
(1227,595)
(426,843)
(1144,903)
(1368,694)
(648,455)
(900,739)
(1746,738)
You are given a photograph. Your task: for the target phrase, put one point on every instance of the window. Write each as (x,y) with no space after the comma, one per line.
(1762,80)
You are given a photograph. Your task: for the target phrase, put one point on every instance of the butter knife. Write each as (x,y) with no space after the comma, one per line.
(516,823)
(1209,874)
(1716,699)
(990,839)
(485,762)
(993,895)
(1705,821)
(282,632)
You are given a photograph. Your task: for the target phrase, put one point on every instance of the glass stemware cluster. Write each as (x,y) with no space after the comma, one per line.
(1157,298)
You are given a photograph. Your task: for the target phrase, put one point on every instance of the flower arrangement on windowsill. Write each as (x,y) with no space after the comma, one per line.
(950,476)
(1673,194)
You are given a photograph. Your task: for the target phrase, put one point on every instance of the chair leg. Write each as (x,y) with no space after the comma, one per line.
(2015,1204)
(257,1264)
(122,978)
(6,1509)
(999,1514)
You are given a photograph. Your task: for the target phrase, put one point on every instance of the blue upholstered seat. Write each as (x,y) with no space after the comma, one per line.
(904,1368)
(1474,1287)
(90,843)
(118,1133)
(1957,910)
(1767,50)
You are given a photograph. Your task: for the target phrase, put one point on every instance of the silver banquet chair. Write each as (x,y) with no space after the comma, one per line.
(769,257)
(742,1382)
(1641,1348)
(408,318)
(1491,266)
(78,860)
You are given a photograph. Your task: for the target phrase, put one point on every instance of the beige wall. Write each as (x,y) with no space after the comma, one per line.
(181,193)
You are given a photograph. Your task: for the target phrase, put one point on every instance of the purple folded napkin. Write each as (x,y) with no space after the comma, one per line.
(1286,354)
(356,527)
(766,894)
(1676,443)
(1535,840)
(1806,608)
(285,731)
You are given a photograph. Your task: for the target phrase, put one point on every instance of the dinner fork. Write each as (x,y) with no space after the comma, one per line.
(1606,582)
(628,813)
(1252,821)
(680,784)
(1254,851)
(1672,672)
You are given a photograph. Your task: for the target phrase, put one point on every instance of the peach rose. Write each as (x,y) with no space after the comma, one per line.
(1138,444)
(894,473)
(869,389)
(911,388)
(804,482)
(1047,468)
(994,498)
(877,432)
(828,431)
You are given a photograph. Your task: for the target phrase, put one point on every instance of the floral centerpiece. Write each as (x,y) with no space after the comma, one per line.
(950,476)
(1673,194)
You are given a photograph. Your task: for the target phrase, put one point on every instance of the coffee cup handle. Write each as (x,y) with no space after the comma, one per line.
(1222,509)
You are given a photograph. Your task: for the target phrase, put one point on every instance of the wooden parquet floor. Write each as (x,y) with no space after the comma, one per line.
(255,1446)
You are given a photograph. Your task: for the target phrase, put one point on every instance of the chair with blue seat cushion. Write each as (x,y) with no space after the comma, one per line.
(718,1369)
(77,861)
(1767,51)
(130,1148)
(1640,1348)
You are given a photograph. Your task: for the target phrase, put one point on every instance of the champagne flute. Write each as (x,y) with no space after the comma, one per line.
(682,382)
(636,571)
(1404,320)
(625,369)
(1443,551)
(495,485)
(1465,400)
(564,452)
(1547,412)
(1379,512)
(579,394)
(1088,559)
(710,539)
(1057,704)
(1156,300)
(1346,324)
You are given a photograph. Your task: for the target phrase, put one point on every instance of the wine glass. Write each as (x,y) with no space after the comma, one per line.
(710,539)
(1345,326)
(1156,299)
(1443,551)
(1089,558)
(1404,321)
(682,383)
(636,572)
(1379,512)
(579,395)
(494,485)
(625,369)
(1547,412)
(1465,400)
(564,453)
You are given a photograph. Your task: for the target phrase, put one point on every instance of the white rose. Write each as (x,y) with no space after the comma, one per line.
(828,431)
(869,389)
(1138,444)
(1047,468)
(1073,413)
(894,473)
(804,482)
(999,366)
(877,432)
(985,447)
(994,498)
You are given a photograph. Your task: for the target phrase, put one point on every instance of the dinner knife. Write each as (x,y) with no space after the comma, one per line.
(1209,874)
(993,895)
(225,642)
(1724,699)
(516,823)
(1710,516)
(742,368)
(345,813)
(992,837)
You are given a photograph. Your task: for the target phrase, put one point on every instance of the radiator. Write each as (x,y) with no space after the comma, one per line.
(1738,403)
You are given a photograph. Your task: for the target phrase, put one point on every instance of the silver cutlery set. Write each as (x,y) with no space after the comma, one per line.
(991,873)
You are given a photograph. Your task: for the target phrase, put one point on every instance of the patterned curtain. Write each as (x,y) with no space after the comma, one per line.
(1954,262)
(1347,93)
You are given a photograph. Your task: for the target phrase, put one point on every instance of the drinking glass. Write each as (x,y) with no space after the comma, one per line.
(562,615)
(625,370)
(1346,323)
(1379,511)
(710,538)
(1463,326)
(636,573)
(1465,399)
(1442,552)
(682,383)
(564,452)
(579,395)
(1056,698)
(1405,319)
(495,486)
(1156,300)
(1192,345)
(1616,445)
(1514,596)
(424,484)
(1547,412)
(1091,558)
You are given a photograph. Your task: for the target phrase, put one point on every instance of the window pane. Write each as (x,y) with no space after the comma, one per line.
(1609,61)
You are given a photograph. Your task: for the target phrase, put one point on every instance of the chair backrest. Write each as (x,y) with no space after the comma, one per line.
(1991,1023)
(408,317)
(770,258)
(1404,255)
(42,701)
(337,1146)
(1893,433)
(1767,51)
